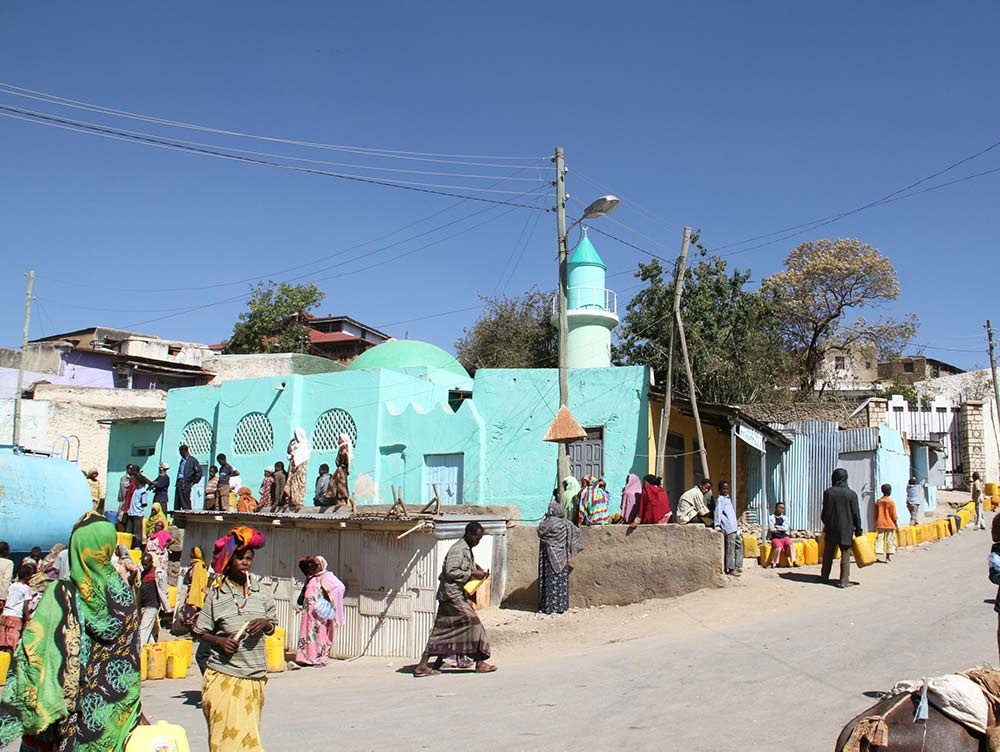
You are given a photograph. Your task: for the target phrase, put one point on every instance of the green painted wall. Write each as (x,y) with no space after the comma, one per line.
(403,415)
(519,404)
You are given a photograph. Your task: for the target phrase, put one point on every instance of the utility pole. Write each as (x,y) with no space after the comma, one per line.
(20,367)
(661,441)
(562,462)
(993,367)
(691,387)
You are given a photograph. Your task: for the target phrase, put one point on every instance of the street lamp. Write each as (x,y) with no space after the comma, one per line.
(598,208)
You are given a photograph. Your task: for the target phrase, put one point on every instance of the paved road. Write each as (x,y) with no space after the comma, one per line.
(773,658)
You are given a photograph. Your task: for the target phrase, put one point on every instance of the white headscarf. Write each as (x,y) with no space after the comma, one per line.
(299,449)
(345,441)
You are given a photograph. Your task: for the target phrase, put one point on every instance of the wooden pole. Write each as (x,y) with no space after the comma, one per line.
(661,439)
(20,368)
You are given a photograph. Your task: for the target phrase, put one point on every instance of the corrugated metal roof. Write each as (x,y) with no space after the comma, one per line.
(857,440)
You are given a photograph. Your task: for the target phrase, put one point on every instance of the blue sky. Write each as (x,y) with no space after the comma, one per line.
(738,118)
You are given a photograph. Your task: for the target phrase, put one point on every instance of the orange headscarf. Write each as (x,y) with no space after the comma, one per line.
(246,502)
(238,539)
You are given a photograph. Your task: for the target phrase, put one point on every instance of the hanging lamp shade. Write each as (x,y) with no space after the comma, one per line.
(564,428)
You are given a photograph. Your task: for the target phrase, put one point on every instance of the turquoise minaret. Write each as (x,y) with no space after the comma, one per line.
(592,309)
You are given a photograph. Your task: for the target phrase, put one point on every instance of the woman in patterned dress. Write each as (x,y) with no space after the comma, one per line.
(298,457)
(74,680)
(558,541)
(322,602)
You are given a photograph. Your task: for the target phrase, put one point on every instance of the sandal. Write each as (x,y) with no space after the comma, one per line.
(429,672)
(485,669)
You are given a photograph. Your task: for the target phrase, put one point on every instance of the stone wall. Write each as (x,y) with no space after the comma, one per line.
(619,566)
(970,427)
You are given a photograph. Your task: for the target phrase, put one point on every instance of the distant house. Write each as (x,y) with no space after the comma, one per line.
(909,369)
(107,358)
(341,338)
(852,370)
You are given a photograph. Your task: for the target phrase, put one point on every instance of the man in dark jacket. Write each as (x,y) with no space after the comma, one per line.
(188,475)
(841,523)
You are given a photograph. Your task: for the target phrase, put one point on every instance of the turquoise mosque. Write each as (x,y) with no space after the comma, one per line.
(418,419)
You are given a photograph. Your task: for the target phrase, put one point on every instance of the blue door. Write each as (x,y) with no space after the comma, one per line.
(586,457)
(445,470)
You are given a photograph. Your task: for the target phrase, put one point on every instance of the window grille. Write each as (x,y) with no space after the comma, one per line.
(328,428)
(198,436)
(254,434)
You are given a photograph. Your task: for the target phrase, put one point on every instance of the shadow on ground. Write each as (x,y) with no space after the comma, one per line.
(191,697)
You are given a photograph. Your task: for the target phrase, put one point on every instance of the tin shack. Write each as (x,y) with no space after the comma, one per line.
(389,564)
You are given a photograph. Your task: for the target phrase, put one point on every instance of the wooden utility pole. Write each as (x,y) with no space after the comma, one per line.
(694,396)
(993,366)
(20,366)
(562,455)
(661,441)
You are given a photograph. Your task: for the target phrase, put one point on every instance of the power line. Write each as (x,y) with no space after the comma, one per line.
(630,245)
(888,198)
(309,160)
(629,202)
(383,153)
(101,131)
(235,298)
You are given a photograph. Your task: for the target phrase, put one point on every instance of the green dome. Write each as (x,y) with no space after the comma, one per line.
(407,353)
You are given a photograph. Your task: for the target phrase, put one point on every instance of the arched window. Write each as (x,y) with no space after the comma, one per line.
(198,436)
(328,428)
(254,434)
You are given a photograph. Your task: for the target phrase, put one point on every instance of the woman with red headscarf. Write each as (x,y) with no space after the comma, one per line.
(239,612)
(654,506)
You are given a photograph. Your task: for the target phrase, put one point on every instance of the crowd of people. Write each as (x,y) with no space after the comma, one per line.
(280,489)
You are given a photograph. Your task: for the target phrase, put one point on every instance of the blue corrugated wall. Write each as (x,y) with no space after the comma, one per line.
(808,465)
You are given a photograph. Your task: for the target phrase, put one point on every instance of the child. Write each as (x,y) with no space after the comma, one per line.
(16,609)
(726,523)
(778,529)
(885,524)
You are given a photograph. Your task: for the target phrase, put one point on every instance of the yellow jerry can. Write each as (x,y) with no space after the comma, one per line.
(159,737)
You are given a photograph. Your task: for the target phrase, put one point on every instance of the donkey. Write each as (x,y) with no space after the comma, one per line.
(938,733)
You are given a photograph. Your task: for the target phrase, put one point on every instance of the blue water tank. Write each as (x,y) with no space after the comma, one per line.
(41,498)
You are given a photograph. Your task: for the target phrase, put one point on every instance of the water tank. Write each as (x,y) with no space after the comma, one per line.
(41,498)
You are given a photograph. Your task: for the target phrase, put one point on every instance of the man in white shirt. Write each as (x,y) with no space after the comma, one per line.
(692,506)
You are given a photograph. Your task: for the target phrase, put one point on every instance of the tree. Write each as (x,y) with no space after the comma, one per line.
(735,354)
(823,280)
(273,319)
(511,333)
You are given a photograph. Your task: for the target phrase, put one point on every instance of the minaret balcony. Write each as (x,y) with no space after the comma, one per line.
(597,302)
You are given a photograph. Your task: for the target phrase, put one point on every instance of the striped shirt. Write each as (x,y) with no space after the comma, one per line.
(226,610)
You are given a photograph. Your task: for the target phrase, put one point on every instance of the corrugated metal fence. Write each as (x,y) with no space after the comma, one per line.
(808,464)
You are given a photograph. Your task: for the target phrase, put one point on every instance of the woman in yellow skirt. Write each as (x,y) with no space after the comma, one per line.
(239,612)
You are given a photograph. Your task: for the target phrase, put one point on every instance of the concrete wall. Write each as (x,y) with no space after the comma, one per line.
(235,367)
(74,369)
(74,412)
(41,358)
(619,566)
